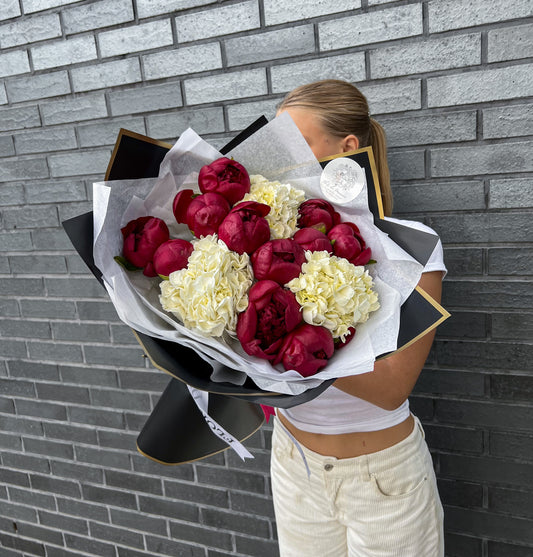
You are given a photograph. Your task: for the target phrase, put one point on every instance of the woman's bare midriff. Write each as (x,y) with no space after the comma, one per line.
(349,445)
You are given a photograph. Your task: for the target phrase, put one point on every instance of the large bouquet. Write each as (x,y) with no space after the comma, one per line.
(234,269)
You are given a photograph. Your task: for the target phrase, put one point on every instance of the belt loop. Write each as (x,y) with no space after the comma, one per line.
(364,468)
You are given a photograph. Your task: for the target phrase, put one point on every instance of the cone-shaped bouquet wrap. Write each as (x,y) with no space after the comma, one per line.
(219,364)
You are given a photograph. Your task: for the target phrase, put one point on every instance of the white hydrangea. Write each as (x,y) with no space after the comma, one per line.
(211,291)
(283,200)
(334,293)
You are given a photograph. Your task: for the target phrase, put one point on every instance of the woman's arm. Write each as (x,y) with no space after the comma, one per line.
(394,377)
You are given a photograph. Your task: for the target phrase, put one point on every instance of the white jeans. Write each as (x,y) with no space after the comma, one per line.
(384,504)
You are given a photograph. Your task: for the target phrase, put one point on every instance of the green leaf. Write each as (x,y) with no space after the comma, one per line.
(372,262)
(125,264)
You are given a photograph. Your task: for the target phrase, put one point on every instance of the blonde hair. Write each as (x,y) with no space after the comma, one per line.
(343,110)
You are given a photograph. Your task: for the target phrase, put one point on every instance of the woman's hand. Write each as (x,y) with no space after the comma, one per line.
(393,377)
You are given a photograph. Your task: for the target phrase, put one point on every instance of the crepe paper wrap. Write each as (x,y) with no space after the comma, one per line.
(279,152)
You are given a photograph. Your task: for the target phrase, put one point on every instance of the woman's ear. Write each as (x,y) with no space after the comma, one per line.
(350,143)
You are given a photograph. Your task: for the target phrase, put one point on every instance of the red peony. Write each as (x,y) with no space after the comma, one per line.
(278,260)
(205,213)
(319,214)
(171,256)
(245,228)
(313,239)
(348,243)
(272,312)
(142,237)
(225,177)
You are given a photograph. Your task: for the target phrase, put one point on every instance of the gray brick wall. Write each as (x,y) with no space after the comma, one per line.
(452,83)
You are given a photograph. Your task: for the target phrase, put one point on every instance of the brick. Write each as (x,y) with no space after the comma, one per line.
(19,118)
(169,508)
(46,447)
(350,67)
(31,216)
(25,328)
(450,382)
(430,128)
(21,424)
(106,133)
(15,241)
(80,332)
(63,393)
(218,21)
(145,99)
(97,15)
(488,227)
(15,478)
(182,61)
(14,195)
(26,462)
(38,5)
(17,388)
(90,546)
(510,43)
(448,196)
(116,535)
(464,261)
(54,192)
(122,334)
(29,30)
(253,504)
(502,549)
(362,29)
(235,522)
(517,388)
(109,74)
(22,545)
(105,459)
(24,169)
(149,381)
(147,8)
(70,210)
(38,264)
(117,440)
(232,85)
(242,115)
(79,163)
(20,286)
(512,325)
(74,287)
(393,97)
(478,86)
(33,370)
(198,494)
(32,499)
(92,416)
(87,107)
(40,86)
(482,159)
(251,546)
(10,8)
(71,433)
(426,56)
(204,121)
(251,482)
(460,546)
(55,352)
(10,442)
(100,311)
(134,521)
(133,482)
(508,121)
(18,512)
(486,524)
(201,535)
(94,376)
(510,501)
(76,471)
(14,62)
(454,14)
(297,40)
(111,355)
(508,261)
(454,439)
(63,53)
(120,399)
(43,140)
(277,12)
(3,94)
(511,445)
(169,547)
(82,509)
(7,147)
(143,36)
(406,165)
(496,355)
(495,415)
(63,522)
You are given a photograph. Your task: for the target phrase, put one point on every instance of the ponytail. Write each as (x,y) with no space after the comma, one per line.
(378,142)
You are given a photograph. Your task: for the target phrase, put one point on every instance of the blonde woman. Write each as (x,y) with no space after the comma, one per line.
(366,487)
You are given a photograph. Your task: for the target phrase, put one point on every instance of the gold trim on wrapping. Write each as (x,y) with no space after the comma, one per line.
(200,457)
(135,135)
(157,366)
(373,169)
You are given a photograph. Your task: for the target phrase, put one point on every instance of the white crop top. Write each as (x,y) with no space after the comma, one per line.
(334,411)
